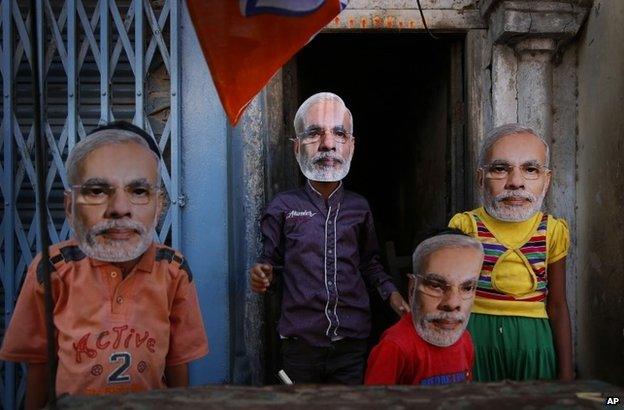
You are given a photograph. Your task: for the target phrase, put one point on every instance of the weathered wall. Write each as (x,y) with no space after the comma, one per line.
(561,197)
(441,15)
(533,82)
(600,194)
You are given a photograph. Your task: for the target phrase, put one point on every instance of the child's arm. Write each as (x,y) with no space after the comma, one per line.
(36,386)
(557,308)
(177,376)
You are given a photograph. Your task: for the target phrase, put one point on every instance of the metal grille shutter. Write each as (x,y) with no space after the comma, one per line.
(103,60)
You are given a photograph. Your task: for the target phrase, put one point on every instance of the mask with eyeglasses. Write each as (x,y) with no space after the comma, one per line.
(437,288)
(314,134)
(98,194)
(502,169)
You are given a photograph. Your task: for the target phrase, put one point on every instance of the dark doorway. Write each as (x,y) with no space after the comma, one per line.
(405,91)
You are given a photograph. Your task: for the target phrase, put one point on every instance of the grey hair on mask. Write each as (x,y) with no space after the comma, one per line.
(435,243)
(99,139)
(315,99)
(504,130)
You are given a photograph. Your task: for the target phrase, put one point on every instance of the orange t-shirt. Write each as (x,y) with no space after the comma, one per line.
(114,335)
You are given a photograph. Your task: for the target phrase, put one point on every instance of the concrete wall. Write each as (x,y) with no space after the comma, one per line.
(561,198)
(600,194)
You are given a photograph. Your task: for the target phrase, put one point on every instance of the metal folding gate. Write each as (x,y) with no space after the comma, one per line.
(102,60)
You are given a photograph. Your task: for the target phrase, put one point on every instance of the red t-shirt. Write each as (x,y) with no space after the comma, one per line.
(403,357)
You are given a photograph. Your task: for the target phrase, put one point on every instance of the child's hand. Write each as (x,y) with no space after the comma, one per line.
(398,304)
(261,275)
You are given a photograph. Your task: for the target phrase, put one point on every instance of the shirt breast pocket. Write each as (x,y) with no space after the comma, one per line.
(297,227)
(348,232)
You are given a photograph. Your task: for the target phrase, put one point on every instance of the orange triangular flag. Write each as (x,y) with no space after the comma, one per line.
(246,41)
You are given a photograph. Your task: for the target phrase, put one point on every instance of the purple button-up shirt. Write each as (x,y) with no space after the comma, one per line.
(328,248)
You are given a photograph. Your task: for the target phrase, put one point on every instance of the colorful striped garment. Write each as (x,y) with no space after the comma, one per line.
(533,253)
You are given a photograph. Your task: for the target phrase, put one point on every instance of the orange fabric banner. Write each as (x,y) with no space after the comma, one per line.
(246,41)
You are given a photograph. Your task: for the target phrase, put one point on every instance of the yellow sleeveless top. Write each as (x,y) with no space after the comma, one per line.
(513,280)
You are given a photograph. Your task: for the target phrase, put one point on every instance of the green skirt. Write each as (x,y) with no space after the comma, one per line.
(512,347)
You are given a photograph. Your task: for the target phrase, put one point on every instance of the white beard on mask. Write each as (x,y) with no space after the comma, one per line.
(313,169)
(435,335)
(112,250)
(496,207)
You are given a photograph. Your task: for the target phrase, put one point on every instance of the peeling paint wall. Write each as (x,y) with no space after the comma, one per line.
(600,194)
(445,15)
(246,200)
